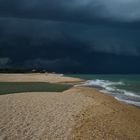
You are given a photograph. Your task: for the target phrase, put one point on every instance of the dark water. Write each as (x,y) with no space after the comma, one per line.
(123,87)
(18,87)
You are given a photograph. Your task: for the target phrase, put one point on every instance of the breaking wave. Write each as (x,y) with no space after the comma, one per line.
(111,88)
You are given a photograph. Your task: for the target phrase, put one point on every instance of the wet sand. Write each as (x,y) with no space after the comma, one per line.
(76,114)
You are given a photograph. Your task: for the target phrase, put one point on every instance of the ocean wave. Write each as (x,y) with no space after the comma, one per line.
(110,88)
(136,103)
(127,93)
(103,83)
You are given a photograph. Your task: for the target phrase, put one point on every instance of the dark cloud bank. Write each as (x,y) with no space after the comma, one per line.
(84,36)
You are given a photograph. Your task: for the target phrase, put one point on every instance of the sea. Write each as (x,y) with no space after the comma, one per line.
(125,88)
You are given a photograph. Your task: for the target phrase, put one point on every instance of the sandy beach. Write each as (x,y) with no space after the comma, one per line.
(79,113)
(38,77)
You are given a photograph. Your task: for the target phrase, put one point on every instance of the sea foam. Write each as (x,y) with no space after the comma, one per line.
(109,87)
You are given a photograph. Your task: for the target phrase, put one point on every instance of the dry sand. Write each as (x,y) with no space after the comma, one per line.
(38,77)
(39,116)
(105,119)
(76,114)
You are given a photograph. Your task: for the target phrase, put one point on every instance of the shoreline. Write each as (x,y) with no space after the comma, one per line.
(112,114)
(128,97)
(51,78)
(107,94)
(78,113)
(117,117)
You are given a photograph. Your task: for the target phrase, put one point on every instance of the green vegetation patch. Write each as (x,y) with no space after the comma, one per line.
(15,87)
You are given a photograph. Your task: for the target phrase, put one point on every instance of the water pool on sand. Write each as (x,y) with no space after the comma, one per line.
(18,87)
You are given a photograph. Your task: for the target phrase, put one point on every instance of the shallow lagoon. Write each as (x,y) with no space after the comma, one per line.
(18,87)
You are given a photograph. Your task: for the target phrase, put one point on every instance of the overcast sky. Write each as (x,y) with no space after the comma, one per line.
(83,36)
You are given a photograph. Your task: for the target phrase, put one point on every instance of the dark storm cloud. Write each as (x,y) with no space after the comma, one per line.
(5,62)
(71,35)
(36,33)
(89,11)
(67,47)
